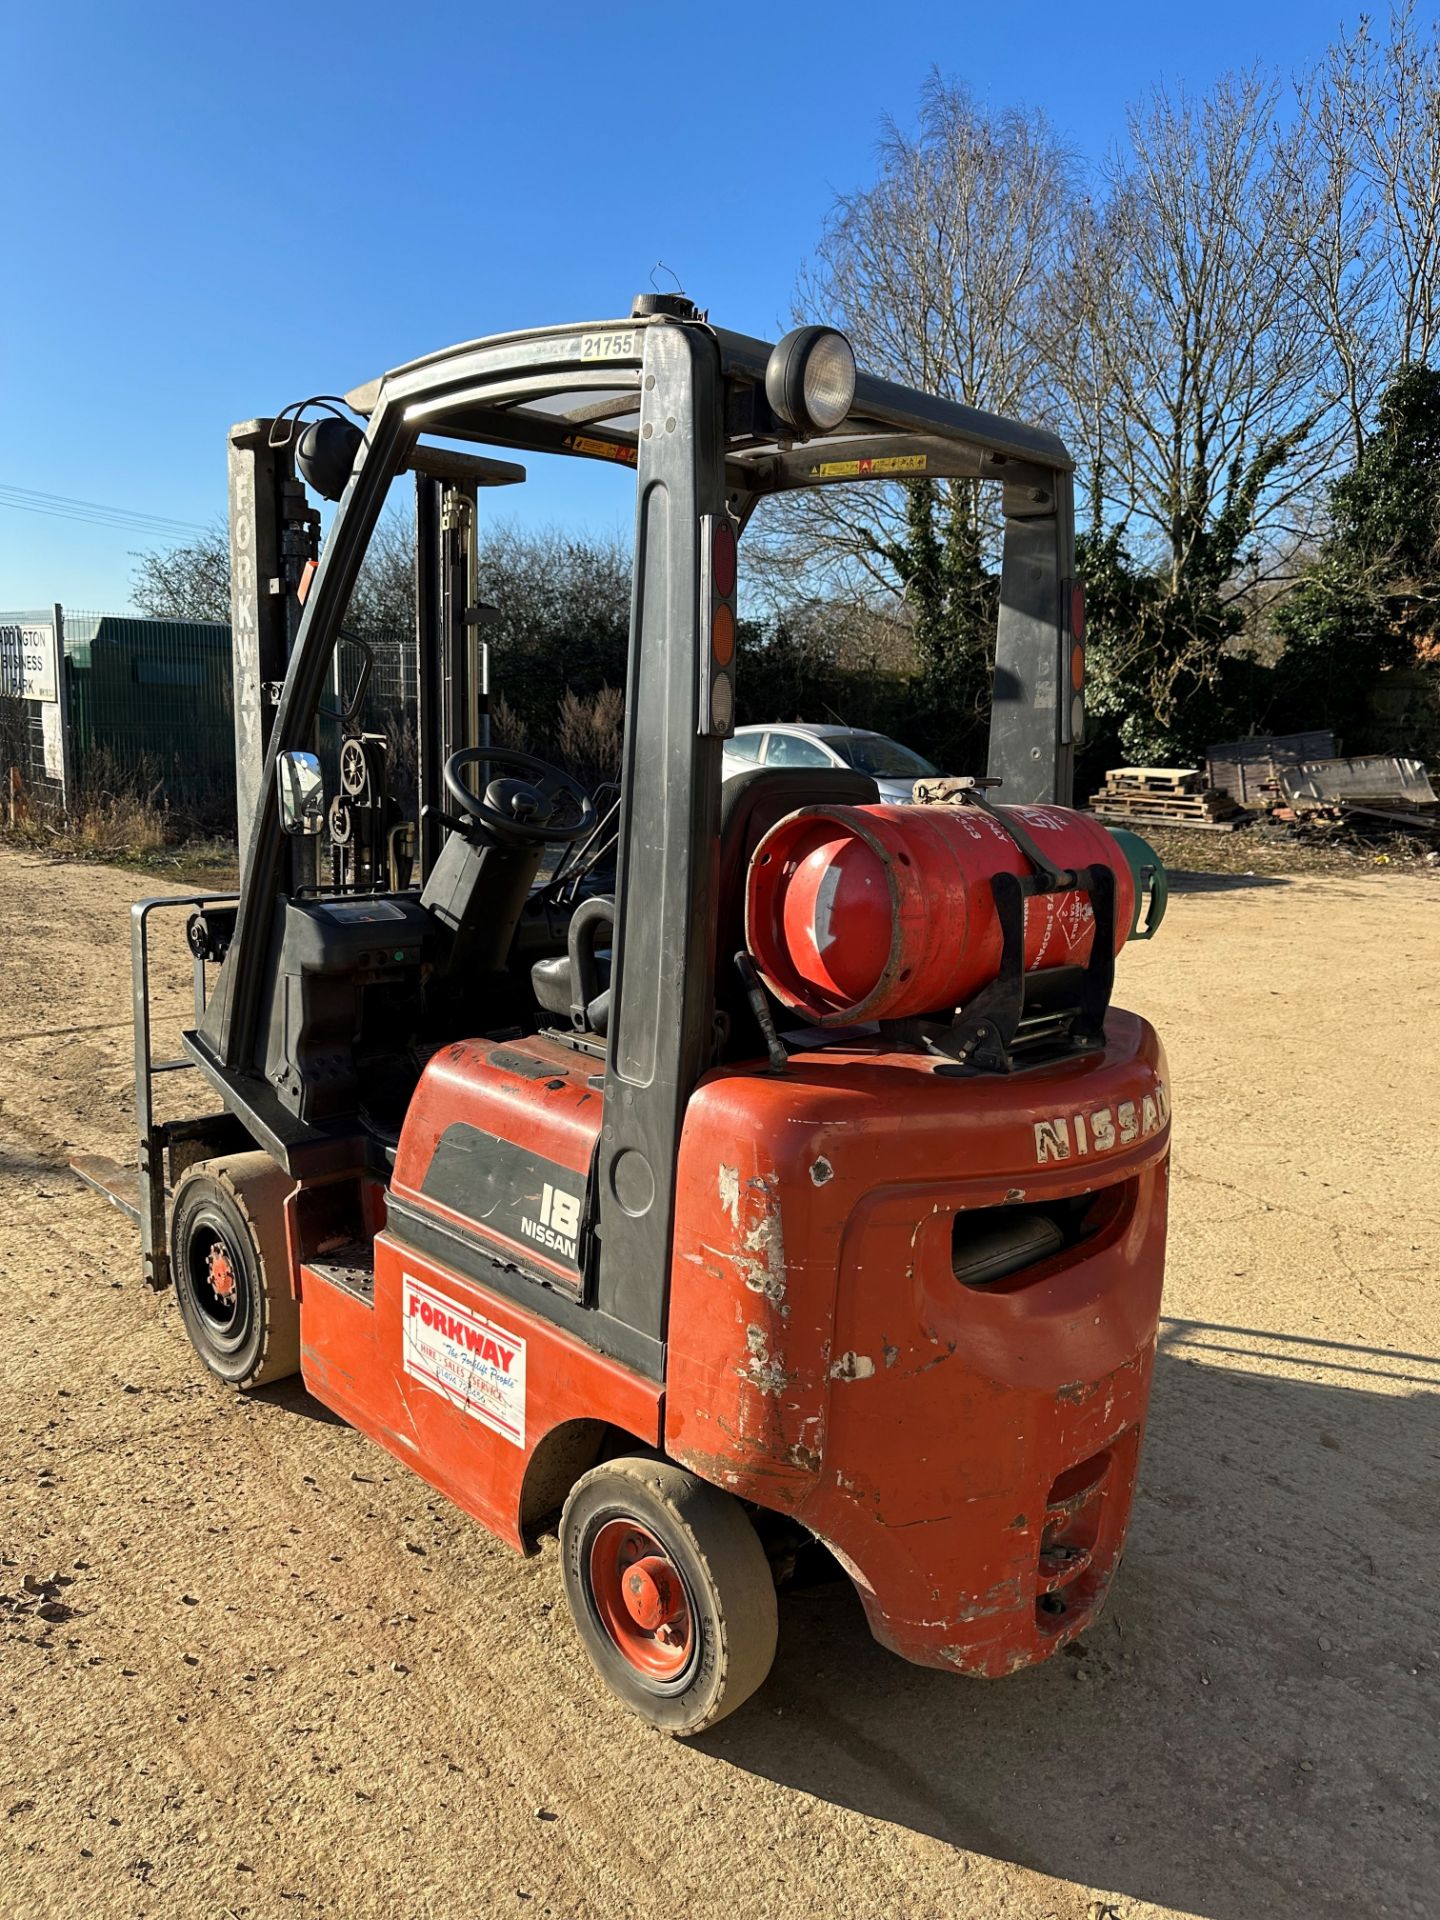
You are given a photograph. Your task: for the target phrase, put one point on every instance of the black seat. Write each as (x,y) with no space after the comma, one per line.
(750,804)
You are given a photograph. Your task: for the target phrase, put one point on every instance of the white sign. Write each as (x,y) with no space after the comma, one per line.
(27,662)
(53,735)
(473,1363)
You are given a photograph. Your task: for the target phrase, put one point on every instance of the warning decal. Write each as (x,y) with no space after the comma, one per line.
(862,469)
(600,449)
(474,1364)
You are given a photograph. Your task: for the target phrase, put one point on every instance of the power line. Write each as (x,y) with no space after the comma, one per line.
(29,496)
(95,513)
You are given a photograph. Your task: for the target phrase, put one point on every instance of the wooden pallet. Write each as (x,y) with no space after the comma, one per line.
(1159,780)
(1191,823)
(1188,806)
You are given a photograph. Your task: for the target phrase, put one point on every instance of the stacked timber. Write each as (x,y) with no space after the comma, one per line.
(1165,797)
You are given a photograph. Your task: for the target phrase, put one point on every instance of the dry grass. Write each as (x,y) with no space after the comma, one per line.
(122,823)
(1262,850)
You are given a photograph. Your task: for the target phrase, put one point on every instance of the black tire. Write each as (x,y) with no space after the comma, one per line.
(231,1269)
(729,1612)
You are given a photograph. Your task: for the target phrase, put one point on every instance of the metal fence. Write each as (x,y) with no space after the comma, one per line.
(146,706)
(151,710)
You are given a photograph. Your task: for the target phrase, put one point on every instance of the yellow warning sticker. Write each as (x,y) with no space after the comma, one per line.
(600,449)
(887,463)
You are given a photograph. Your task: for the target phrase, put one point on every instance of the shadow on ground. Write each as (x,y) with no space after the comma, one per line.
(1254,1726)
(24,1165)
(290,1396)
(1184,880)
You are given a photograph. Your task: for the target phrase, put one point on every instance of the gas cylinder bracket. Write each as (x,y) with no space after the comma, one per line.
(987,1034)
(968,789)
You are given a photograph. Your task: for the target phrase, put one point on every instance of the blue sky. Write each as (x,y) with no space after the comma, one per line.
(201,220)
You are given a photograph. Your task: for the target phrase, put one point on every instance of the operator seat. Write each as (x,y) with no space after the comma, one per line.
(750,804)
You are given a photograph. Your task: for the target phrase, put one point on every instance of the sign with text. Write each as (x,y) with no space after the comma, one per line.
(28,668)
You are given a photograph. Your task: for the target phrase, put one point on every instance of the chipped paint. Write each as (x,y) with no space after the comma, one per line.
(762,1264)
(760,1369)
(1076,1392)
(821,1171)
(852,1366)
(729,1184)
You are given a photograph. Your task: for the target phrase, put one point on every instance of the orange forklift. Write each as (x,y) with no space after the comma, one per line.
(723,1168)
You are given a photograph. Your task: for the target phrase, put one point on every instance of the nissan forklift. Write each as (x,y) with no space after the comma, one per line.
(724,1171)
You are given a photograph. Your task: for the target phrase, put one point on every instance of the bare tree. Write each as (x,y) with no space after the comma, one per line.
(382,600)
(1200,379)
(939,274)
(185,583)
(1376,108)
(1338,262)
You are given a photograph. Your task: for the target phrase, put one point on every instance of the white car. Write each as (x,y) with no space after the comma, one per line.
(894,768)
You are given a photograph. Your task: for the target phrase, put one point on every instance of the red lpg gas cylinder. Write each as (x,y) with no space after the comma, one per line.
(870,913)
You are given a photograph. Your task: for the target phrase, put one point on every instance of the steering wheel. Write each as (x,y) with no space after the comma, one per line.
(518,809)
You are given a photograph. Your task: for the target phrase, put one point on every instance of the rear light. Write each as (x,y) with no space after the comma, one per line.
(1077,610)
(717,685)
(722,561)
(810,379)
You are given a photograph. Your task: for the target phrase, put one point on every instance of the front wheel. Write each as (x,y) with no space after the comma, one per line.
(231,1269)
(670,1589)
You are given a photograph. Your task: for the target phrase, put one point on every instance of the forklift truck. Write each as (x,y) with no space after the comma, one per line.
(531,1171)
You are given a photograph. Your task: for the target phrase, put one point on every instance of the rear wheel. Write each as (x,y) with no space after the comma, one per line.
(670,1589)
(231,1268)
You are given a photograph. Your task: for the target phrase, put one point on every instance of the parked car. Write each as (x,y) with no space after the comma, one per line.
(894,768)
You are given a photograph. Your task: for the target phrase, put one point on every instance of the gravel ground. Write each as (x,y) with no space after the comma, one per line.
(252,1668)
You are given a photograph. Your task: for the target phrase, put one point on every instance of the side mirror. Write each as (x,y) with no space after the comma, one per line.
(302,792)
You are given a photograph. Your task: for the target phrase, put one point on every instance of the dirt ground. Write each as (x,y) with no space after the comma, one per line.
(286,1680)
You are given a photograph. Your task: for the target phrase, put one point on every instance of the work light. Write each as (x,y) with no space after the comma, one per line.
(810,379)
(325,454)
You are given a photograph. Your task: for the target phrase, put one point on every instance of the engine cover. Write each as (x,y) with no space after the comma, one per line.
(496,1149)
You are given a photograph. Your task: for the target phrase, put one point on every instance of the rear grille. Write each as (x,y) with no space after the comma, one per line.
(990,1244)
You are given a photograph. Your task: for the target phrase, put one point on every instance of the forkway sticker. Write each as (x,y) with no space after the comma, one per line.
(473,1363)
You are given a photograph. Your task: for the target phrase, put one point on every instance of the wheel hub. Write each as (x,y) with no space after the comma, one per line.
(219,1272)
(641,1600)
(653,1595)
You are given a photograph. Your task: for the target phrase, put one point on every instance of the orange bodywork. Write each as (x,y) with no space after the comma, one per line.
(354,1358)
(969,1454)
(373,1360)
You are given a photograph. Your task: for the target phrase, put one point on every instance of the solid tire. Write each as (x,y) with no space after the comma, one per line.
(241,1199)
(709,1538)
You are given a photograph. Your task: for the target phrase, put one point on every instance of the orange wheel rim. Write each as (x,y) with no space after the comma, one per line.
(641,1600)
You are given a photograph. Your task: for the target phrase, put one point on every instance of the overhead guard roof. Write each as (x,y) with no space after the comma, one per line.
(885,404)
